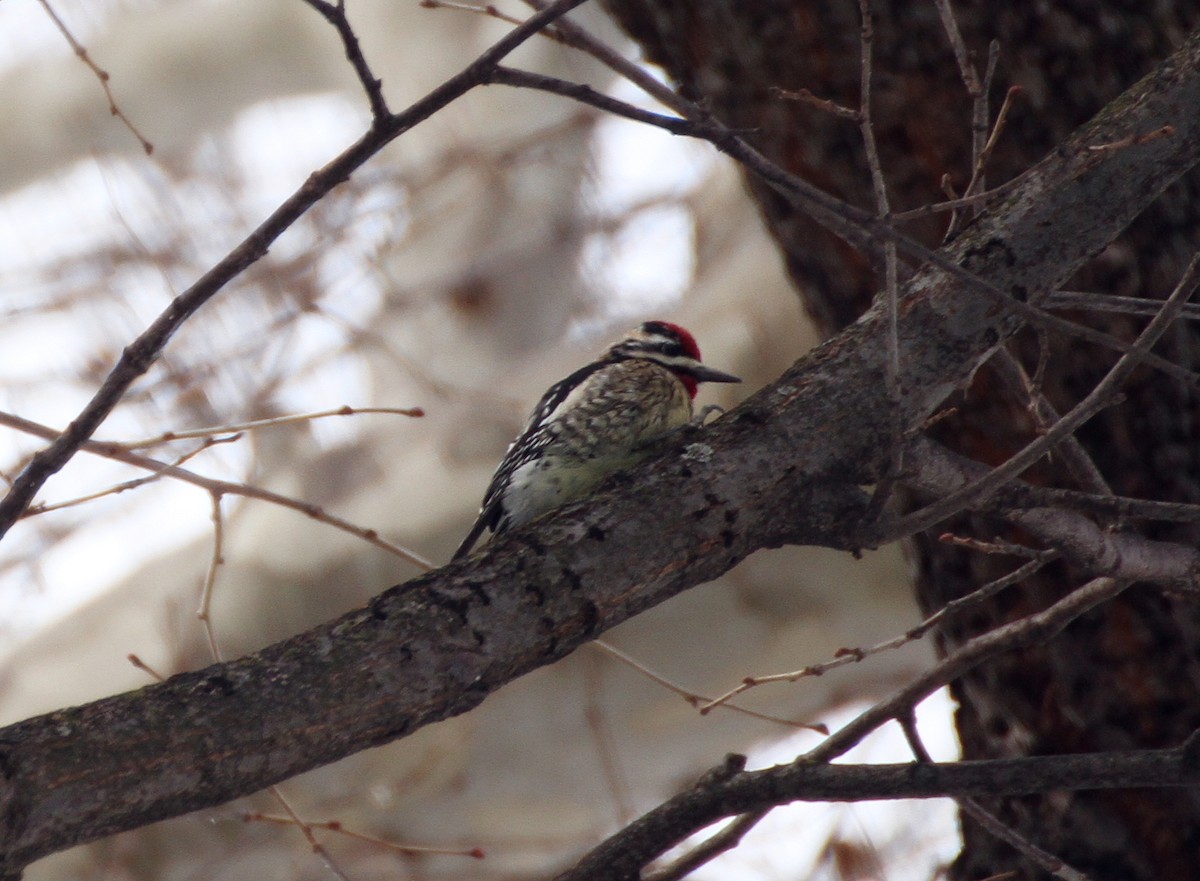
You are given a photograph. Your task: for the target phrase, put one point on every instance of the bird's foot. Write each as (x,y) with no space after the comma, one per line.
(706,411)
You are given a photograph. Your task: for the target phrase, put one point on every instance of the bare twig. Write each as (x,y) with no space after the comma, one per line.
(584,94)
(487,10)
(977,91)
(597,723)
(1109,505)
(1041,319)
(1045,514)
(891,288)
(709,849)
(1094,302)
(857,655)
(728,791)
(335,14)
(1031,630)
(337,827)
(1097,399)
(1047,861)
(101,75)
(306,831)
(1077,460)
(857,227)
(143,666)
(1036,382)
(989,821)
(572,34)
(1002,548)
(966,69)
(955,202)
(140,354)
(222,487)
(216,560)
(979,178)
(804,96)
(125,486)
(168,436)
(981,594)
(697,700)
(1134,140)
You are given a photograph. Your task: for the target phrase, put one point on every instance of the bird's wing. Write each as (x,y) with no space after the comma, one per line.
(491,512)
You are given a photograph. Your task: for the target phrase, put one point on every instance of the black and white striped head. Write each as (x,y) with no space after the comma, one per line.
(672,347)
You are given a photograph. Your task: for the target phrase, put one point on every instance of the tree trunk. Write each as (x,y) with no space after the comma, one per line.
(1125,676)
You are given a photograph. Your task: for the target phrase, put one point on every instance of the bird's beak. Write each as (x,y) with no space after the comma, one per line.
(706,374)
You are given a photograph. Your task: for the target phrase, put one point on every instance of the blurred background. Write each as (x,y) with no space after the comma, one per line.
(487,253)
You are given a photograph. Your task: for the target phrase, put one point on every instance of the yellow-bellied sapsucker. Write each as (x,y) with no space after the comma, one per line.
(600,419)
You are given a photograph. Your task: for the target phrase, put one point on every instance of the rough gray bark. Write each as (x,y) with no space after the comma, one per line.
(1127,674)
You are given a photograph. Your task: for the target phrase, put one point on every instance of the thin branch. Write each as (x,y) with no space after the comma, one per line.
(1122,507)
(1096,550)
(724,793)
(306,831)
(845,657)
(955,203)
(206,433)
(573,35)
(1097,399)
(826,105)
(979,179)
(1094,302)
(222,487)
(891,286)
(141,354)
(102,75)
(984,593)
(1048,862)
(1133,140)
(1001,548)
(487,11)
(1083,469)
(698,700)
(335,14)
(584,94)
(602,739)
(857,227)
(125,486)
(339,828)
(139,664)
(709,849)
(966,69)
(1035,383)
(979,107)
(1031,630)
(216,560)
